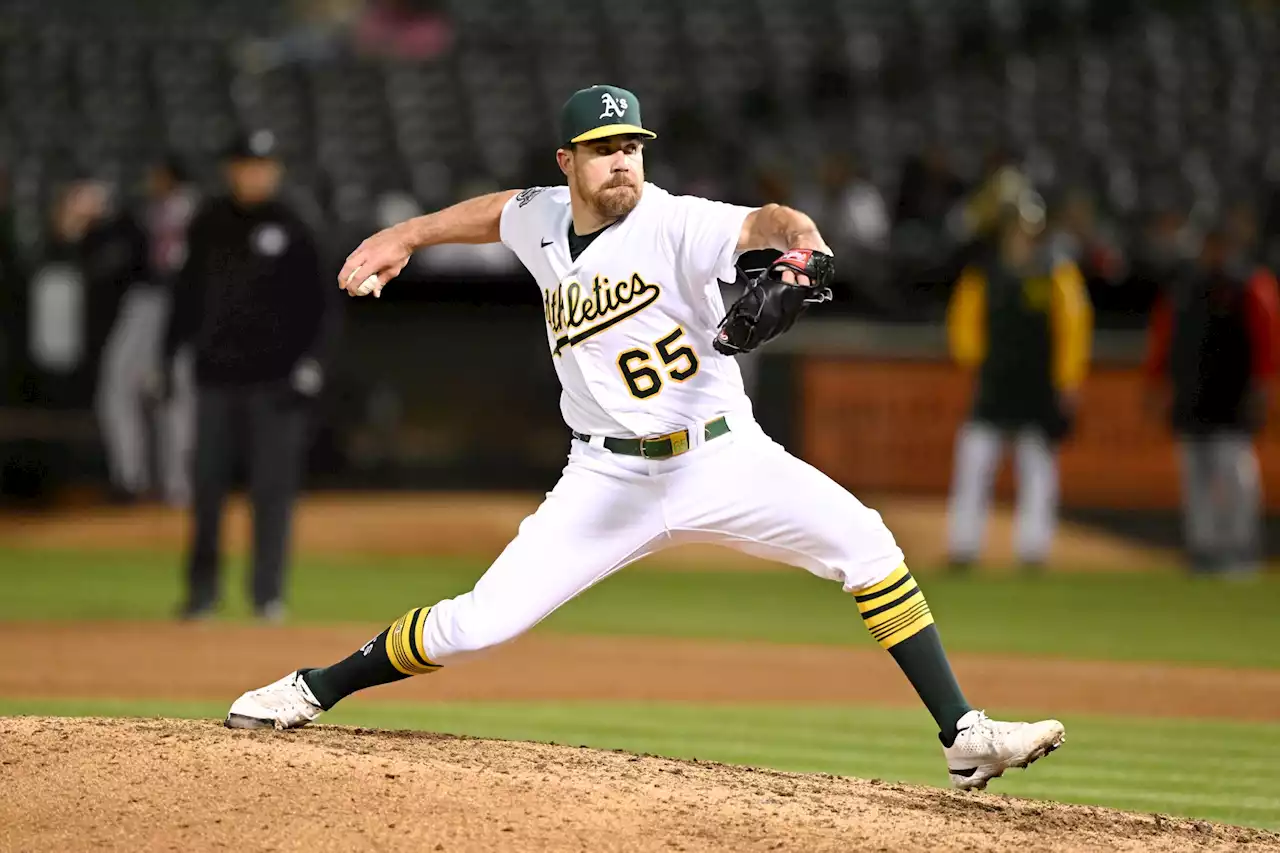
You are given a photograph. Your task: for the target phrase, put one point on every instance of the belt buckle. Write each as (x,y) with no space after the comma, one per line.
(679,442)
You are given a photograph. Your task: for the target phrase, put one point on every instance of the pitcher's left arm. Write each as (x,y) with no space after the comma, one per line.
(776,226)
(775,299)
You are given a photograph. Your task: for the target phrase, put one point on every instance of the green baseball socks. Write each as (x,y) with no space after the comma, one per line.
(395,654)
(898,617)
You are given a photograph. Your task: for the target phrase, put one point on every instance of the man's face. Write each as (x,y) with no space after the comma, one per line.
(1018,238)
(1214,249)
(82,204)
(160,182)
(87,200)
(253,180)
(608,174)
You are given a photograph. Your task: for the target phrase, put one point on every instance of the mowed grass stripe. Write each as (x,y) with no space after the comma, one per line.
(802,734)
(1129,617)
(1235,745)
(1107,761)
(910,749)
(1260,809)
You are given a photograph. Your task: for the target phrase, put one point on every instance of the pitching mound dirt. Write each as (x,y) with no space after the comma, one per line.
(181,785)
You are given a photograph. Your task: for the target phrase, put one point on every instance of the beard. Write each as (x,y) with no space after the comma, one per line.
(615,200)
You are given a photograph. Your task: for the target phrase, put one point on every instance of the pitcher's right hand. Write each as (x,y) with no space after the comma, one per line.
(376,261)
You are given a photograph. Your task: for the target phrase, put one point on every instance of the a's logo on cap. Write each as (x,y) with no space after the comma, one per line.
(613,107)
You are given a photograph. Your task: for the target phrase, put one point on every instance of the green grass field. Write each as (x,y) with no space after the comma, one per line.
(1098,617)
(1210,769)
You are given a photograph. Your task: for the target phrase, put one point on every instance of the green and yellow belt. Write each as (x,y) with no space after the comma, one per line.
(660,446)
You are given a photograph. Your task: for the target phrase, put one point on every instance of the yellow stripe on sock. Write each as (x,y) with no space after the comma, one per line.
(906,617)
(416,640)
(918,622)
(404,644)
(895,608)
(904,603)
(393,647)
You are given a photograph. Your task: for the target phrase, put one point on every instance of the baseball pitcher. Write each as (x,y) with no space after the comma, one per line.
(664,447)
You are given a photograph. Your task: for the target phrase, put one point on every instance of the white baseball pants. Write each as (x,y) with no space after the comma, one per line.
(979,447)
(608,510)
(131,356)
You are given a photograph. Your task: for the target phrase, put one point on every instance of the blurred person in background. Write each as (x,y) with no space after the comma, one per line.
(1021,321)
(106,247)
(1212,351)
(853,205)
(923,241)
(1165,242)
(860,227)
(981,217)
(171,203)
(143,456)
(1075,232)
(252,303)
(860,216)
(928,189)
(404,29)
(317,32)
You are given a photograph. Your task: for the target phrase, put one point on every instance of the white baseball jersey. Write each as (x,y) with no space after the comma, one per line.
(631,320)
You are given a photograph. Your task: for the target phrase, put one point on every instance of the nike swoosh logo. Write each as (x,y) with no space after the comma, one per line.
(546,243)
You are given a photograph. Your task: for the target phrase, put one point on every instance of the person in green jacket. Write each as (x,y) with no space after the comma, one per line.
(1021,322)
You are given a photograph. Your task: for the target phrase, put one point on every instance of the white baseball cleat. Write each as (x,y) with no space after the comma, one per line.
(284,704)
(984,748)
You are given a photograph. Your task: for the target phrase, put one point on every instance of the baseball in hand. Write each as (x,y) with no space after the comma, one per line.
(367,286)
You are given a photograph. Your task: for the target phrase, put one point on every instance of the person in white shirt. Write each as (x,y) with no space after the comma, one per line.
(664,447)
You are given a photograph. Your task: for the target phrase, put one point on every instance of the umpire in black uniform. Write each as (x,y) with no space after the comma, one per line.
(254,305)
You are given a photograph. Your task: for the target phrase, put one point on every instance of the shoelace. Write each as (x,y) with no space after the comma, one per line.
(981,730)
(982,725)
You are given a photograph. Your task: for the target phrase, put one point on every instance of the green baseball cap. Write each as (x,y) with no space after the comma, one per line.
(598,112)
